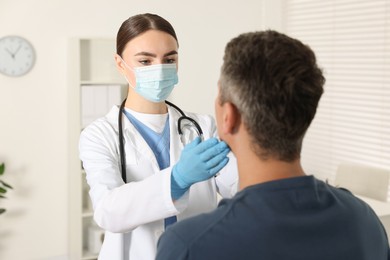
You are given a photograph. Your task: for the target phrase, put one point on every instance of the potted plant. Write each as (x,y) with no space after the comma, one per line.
(4,187)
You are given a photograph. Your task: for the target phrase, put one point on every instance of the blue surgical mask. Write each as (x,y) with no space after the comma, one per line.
(155,82)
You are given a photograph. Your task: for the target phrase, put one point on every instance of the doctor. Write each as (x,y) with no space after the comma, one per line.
(143,176)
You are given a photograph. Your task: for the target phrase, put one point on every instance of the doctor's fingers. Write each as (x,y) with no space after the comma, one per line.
(205,145)
(220,148)
(211,145)
(217,168)
(214,160)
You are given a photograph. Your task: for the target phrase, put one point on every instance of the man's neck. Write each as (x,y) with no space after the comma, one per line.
(252,170)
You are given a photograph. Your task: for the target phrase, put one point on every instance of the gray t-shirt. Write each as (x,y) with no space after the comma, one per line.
(295,219)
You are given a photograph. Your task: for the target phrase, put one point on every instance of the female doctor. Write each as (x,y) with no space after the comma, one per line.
(142,175)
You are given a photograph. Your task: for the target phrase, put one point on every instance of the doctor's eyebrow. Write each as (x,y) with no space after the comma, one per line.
(144,53)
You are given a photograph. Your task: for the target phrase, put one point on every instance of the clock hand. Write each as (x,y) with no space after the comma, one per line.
(12,54)
(17,49)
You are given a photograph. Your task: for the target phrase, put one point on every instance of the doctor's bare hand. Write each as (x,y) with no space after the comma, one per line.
(200,161)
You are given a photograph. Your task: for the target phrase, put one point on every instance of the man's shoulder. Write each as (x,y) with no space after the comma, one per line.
(195,227)
(181,237)
(206,225)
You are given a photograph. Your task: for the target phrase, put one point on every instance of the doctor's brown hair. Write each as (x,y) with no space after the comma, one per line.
(138,24)
(276,85)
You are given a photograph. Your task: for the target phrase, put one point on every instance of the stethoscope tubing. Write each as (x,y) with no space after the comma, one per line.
(121,144)
(120,132)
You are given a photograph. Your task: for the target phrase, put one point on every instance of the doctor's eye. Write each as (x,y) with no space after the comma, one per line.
(170,61)
(145,62)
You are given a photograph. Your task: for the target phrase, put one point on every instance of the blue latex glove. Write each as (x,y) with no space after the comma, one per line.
(198,162)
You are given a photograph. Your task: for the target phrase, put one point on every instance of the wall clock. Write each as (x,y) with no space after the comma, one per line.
(17,56)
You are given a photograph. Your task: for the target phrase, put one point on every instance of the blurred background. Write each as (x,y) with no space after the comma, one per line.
(48,214)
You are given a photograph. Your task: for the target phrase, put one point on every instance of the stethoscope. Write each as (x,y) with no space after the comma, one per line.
(184,126)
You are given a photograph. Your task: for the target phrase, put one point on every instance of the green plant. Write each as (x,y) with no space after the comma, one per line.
(3,187)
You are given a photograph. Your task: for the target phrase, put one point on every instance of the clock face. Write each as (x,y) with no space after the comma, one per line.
(17,56)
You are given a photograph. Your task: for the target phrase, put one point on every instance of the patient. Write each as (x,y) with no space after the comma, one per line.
(269,89)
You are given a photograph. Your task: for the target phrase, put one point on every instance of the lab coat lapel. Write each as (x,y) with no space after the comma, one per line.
(176,145)
(138,143)
(135,141)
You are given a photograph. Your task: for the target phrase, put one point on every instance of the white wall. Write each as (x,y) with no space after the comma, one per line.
(33,108)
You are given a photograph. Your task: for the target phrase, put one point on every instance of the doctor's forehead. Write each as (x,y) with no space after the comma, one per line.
(152,42)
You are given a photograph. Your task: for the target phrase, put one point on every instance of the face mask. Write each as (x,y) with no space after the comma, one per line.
(155,82)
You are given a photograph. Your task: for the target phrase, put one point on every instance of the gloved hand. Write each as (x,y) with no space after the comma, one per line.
(199,161)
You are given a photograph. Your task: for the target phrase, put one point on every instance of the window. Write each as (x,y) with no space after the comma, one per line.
(351,39)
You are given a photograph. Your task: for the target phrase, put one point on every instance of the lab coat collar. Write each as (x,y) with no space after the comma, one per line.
(140,144)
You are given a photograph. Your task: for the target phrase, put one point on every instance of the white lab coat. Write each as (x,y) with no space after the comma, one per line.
(132,214)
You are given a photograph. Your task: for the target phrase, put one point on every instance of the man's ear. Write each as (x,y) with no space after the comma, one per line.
(119,64)
(231,118)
